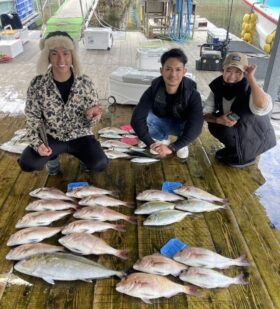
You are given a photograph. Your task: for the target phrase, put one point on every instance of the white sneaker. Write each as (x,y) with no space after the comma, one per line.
(183,153)
(164,142)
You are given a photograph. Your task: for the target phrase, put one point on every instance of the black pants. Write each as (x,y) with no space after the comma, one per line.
(225,135)
(86,148)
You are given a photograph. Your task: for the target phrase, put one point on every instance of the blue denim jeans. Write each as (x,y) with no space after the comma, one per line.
(160,128)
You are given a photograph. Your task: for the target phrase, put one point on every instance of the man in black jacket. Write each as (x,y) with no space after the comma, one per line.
(237,111)
(170,106)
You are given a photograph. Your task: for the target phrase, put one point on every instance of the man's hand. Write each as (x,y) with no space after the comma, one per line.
(225,121)
(161,149)
(94,113)
(250,71)
(44,151)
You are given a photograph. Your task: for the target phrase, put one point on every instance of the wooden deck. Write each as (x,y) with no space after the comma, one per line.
(241,228)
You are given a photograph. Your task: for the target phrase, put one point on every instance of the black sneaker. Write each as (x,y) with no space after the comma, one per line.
(83,167)
(53,167)
(235,163)
(223,153)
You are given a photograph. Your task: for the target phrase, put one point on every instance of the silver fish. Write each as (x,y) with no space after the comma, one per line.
(194,192)
(200,257)
(90,226)
(150,207)
(104,201)
(85,244)
(41,218)
(32,235)
(113,130)
(110,135)
(50,194)
(113,154)
(165,217)
(114,143)
(148,286)
(195,205)
(64,266)
(144,160)
(25,251)
(157,195)
(209,279)
(46,205)
(102,214)
(81,192)
(159,265)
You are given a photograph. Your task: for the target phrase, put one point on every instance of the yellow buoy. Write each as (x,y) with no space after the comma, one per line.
(247,36)
(253,17)
(246,18)
(269,38)
(267,48)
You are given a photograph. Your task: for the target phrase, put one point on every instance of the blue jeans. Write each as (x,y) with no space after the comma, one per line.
(160,128)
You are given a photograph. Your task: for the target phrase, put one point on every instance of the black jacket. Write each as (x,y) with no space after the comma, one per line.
(253,134)
(187,108)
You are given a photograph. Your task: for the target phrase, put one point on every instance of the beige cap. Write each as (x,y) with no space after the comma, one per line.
(237,60)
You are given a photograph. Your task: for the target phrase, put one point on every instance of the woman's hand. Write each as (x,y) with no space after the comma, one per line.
(94,113)
(161,149)
(225,121)
(44,151)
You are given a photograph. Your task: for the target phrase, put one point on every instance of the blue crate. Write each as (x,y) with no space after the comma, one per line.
(172,247)
(73,185)
(169,186)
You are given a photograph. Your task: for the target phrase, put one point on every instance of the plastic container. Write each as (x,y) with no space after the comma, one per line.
(73,185)
(172,247)
(169,186)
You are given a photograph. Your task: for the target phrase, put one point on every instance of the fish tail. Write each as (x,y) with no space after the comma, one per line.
(115,193)
(225,201)
(242,261)
(132,219)
(191,290)
(240,279)
(121,274)
(119,227)
(129,205)
(122,254)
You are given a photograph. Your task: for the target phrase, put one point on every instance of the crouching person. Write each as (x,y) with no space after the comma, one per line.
(170,106)
(237,111)
(62,103)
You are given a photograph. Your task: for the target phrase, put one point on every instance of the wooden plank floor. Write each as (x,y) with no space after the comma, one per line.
(241,228)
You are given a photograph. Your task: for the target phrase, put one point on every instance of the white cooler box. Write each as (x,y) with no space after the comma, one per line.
(11,48)
(126,84)
(149,58)
(98,38)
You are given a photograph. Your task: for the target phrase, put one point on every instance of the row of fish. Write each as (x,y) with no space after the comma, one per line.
(166,208)
(191,265)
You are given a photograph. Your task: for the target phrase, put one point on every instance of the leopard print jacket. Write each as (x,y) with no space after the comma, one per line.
(63,121)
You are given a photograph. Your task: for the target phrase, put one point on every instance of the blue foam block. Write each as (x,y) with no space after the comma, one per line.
(73,185)
(169,186)
(172,246)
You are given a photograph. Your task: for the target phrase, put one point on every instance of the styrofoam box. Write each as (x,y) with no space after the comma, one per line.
(11,48)
(149,58)
(24,35)
(127,84)
(216,33)
(98,38)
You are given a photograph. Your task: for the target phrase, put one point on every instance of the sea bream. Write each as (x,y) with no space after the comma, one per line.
(195,205)
(194,192)
(32,235)
(83,243)
(46,193)
(112,143)
(102,214)
(25,251)
(65,267)
(41,218)
(151,207)
(159,265)
(81,192)
(165,217)
(144,160)
(200,257)
(104,201)
(46,205)
(113,130)
(148,286)
(157,195)
(90,226)
(209,278)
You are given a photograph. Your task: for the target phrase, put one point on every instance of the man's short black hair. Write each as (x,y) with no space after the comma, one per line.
(174,53)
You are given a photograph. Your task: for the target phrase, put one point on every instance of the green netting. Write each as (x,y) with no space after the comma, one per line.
(71,25)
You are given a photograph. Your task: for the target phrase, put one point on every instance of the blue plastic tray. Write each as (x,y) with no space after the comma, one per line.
(73,185)
(172,246)
(169,186)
